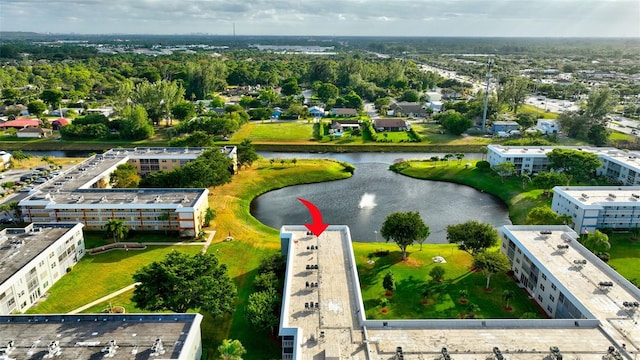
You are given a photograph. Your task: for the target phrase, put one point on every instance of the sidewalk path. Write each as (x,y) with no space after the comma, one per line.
(210,235)
(104,298)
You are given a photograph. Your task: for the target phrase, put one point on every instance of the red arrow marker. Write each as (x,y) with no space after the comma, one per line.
(317,226)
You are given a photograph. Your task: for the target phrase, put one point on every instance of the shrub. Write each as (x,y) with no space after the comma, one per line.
(484,165)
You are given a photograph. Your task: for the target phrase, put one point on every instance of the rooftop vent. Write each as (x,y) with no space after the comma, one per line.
(157,199)
(185,199)
(54,349)
(103,199)
(612,195)
(636,196)
(584,195)
(157,348)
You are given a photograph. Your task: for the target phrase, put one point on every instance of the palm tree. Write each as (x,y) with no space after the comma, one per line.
(117,229)
(231,350)
(459,156)
(507,295)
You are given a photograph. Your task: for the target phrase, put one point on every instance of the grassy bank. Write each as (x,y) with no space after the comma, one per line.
(519,200)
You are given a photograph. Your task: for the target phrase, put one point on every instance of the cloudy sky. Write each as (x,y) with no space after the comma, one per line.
(554,18)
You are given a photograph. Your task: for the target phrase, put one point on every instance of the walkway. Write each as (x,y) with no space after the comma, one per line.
(210,233)
(104,298)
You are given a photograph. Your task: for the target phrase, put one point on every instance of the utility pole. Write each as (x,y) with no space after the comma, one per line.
(486,95)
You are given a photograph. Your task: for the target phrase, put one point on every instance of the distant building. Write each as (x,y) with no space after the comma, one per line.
(82,193)
(346,112)
(21,123)
(316,111)
(58,123)
(598,207)
(408,109)
(546,126)
(33,132)
(506,126)
(391,125)
(436,106)
(98,336)
(33,259)
(617,165)
(106,111)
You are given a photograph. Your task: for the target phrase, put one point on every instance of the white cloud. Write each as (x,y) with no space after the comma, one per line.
(320,17)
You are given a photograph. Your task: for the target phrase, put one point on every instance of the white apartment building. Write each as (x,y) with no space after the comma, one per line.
(565,278)
(82,193)
(597,207)
(323,314)
(619,165)
(101,336)
(33,258)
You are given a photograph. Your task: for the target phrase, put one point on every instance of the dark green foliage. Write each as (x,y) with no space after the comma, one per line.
(247,154)
(181,282)
(196,139)
(454,122)
(483,164)
(212,168)
(388,283)
(472,236)
(404,228)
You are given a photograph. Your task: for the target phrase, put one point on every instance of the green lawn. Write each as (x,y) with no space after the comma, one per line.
(625,252)
(98,275)
(275,131)
(519,201)
(443,301)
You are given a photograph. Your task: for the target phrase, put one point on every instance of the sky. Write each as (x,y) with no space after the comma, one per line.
(503,18)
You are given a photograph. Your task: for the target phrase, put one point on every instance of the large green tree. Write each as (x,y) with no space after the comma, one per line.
(576,164)
(543,215)
(247,154)
(134,124)
(454,122)
(51,96)
(158,98)
(182,282)
(262,309)
(125,176)
(327,91)
(404,228)
(37,108)
(596,241)
(472,236)
(505,169)
(490,263)
(514,93)
(184,110)
(546,181)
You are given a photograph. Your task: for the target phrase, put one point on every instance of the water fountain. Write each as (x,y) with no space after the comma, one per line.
(367,201)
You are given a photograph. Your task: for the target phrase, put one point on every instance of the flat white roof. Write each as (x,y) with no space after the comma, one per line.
(339,321)
(601,196)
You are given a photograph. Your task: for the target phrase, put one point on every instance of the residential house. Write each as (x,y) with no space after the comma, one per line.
(506,126)
(548,126)
(316,112)
(408,109)
(391,125)
(106,111)
(436,106)
(277,112)
(21,123)
(341,125)
(346,112)
(34,132)
(58,123)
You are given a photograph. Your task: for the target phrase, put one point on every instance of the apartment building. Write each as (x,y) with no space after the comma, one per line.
(82,193)
(98,336)
(619,165)
(33,258)
(597,207)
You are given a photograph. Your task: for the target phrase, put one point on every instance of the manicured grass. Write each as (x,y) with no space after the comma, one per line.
(98,275)
(625,252)
(519,201)
(617,136)
(443,300)
(123,300)
(540,112)
(275,131)
(432,133)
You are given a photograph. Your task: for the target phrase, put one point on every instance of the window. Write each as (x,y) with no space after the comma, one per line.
(53,264)
(517,271)
(553,286)
(544,277)
(519,251)
(551,297)
(540,298)
(549,309)
(542,287)
(52,255)
(11,302)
